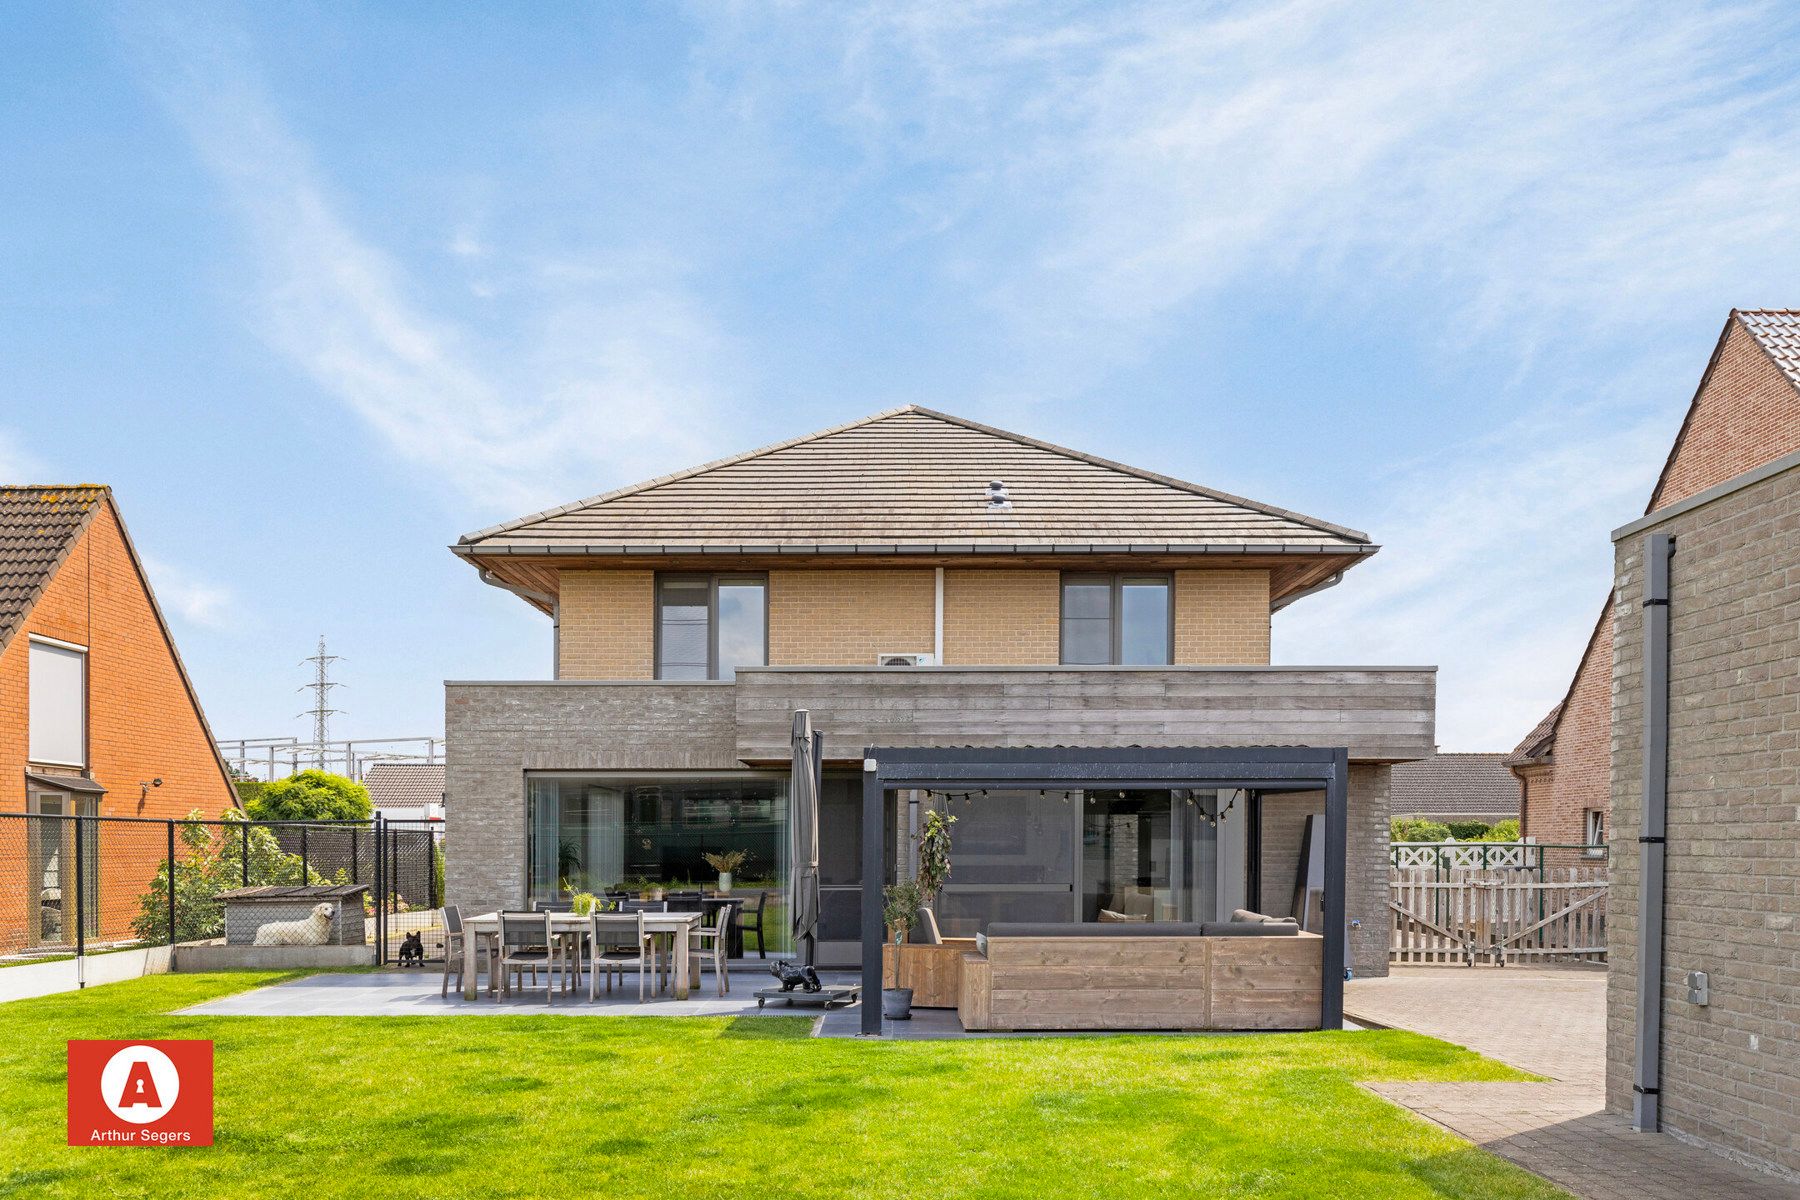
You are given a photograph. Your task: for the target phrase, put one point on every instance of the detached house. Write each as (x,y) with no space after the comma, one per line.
(97,717)
(917,583)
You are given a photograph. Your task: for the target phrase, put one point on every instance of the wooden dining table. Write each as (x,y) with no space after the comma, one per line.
(676,925)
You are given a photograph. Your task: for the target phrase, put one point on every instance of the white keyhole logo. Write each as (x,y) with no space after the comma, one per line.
(139,1084)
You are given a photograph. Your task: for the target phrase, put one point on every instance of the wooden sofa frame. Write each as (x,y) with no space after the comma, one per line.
(1100,982)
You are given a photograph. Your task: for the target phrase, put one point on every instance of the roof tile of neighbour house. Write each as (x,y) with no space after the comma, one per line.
(1777,330)
(38,528)
(1539,744)
(405,785)
(916,478)
(1461,785)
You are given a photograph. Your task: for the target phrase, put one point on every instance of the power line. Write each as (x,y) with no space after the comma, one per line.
(321,711)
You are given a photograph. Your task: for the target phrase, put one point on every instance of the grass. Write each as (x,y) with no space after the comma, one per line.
(534,1106)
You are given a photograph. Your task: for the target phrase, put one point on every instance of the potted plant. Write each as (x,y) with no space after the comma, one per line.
(725,863)
(583,903)
(934,856)
(902,905)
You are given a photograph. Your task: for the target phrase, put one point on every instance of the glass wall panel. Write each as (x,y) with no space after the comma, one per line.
(1012,859)
(600,833)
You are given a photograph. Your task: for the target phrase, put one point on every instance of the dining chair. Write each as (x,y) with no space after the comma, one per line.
(713,941)
(661,965)
(751,921)
(641,955)
(526,943)
(454,933)
(568,943)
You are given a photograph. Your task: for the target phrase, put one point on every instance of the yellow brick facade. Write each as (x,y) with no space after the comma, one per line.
(1222,618)
(1002,618)
(607,625)
(992,617)
(845,618)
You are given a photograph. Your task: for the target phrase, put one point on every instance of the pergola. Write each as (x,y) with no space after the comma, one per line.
(1261,769)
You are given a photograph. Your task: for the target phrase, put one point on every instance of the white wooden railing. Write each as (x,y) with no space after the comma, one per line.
(1500,914)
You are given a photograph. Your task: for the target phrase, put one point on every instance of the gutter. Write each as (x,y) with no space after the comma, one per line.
(544,598)
(1646,1081)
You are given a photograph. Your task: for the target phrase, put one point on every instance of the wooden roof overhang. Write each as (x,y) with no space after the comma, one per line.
(533,572)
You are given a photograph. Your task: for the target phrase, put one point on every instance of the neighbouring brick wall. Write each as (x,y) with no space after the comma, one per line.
(142,722)
(1731,1070)
(1366,860)
(1581,777)
(1000,618)
(607,625)
(1221,617)
(837,618)
(1746,414)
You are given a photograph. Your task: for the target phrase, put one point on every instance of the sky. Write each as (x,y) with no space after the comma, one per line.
(319,288)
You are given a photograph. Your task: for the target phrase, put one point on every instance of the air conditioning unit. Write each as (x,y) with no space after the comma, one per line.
(904,660)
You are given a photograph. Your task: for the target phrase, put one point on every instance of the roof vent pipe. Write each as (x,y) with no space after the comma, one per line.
(997,499)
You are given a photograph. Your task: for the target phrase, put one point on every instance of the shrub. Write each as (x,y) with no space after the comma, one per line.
(311,796)
(1504,831)
(1417,829)
(1469,831)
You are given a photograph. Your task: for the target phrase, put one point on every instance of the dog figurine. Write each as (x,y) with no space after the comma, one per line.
(412,950)
(804,978)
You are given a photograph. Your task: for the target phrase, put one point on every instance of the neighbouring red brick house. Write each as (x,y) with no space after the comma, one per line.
(1746,412)
(97,717)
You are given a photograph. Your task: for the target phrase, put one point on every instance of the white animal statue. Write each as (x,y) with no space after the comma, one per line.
(314,930)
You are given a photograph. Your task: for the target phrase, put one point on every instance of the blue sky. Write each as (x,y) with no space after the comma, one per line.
(318,289)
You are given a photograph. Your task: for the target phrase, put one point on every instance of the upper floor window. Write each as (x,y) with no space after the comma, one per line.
(707,626)
(57,682)
(1123,620)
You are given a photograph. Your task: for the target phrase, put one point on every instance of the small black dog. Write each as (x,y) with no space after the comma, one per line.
(412,949)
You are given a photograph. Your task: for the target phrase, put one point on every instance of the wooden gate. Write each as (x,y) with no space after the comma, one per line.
(1501,915)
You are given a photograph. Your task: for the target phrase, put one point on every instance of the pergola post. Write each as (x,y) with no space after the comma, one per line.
(873,873)
(1331,982)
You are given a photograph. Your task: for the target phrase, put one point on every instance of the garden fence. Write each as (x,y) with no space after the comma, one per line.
(75,885)
(1504,915)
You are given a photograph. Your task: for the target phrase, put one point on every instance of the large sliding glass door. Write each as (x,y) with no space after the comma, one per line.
(1090,856)
(593,833)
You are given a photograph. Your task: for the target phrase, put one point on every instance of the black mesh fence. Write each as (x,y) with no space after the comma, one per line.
(77,884)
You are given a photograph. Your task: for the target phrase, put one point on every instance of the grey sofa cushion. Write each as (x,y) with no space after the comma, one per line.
(1250,928)
(1003,929)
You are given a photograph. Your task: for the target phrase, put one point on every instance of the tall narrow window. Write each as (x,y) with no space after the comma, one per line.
(708,626)
(1116,620)
(57,682)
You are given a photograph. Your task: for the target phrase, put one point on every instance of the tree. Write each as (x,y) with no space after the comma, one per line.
(210,859)
(311,796)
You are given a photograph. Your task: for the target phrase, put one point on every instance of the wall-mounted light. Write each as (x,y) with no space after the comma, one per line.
(144,789)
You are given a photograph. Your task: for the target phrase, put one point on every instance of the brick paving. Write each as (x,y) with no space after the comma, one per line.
(1550,1021)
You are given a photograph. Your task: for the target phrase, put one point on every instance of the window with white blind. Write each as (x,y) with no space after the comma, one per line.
(57,684)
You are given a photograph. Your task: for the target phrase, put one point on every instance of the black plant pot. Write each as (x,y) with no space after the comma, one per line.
(896,1004)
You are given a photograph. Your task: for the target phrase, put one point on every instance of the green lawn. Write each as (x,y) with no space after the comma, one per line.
(546,1106)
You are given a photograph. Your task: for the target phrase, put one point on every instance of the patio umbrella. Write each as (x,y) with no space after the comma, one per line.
(803,817)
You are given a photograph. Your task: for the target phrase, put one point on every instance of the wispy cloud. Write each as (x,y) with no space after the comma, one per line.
(563,408)
(194,599)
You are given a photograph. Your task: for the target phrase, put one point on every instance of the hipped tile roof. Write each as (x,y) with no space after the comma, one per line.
(405,785)
(38,528)
(914,478)
(1778,332)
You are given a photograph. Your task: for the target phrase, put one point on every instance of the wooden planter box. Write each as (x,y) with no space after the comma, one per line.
(934,973)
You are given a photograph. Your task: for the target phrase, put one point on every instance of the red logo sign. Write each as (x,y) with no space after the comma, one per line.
(140,1093)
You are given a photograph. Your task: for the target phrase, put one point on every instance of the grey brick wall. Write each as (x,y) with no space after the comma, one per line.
(1731,1070)
(494,733)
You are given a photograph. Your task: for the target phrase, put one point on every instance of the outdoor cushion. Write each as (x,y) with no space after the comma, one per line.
(981,943)
(1250,928)
(1108,915)
(1001,929)
(1244,914)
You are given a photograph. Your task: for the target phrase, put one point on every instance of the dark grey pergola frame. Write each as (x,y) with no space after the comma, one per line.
(1286,769)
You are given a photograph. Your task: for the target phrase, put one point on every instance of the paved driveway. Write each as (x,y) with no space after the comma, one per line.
(1550,1021)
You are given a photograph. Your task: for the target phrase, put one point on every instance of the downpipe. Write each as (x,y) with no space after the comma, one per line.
(1646,1083)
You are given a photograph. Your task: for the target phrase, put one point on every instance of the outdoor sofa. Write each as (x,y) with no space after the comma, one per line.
(1252,972)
